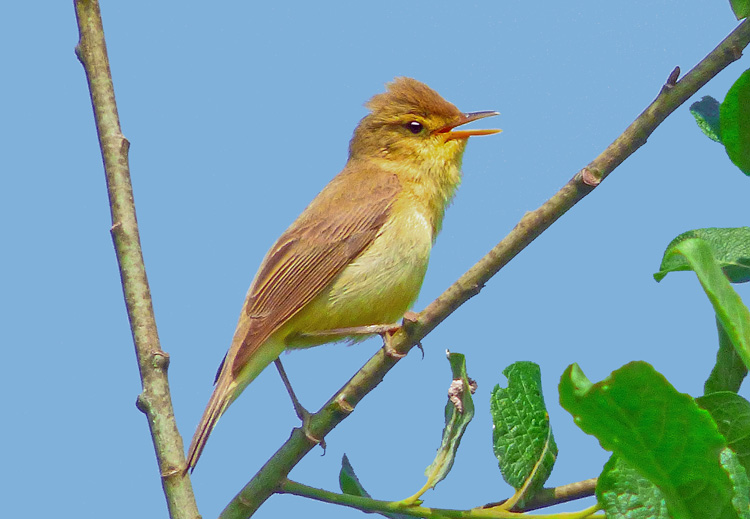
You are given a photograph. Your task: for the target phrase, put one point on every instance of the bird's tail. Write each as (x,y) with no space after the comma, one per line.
(229,386)
(220,400)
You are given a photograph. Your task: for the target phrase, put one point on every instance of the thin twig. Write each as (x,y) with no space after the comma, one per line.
(367,504)
(155,400)
(276,469)
(554,496)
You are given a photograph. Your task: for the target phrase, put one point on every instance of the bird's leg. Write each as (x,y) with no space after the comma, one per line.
(302,413)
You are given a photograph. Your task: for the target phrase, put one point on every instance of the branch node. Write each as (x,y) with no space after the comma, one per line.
(410,317)
(671,81)
(591,177)
(343,405)
(142,403)
(673,77)
(160,359)
(314,440)
(171,471)
(410,324)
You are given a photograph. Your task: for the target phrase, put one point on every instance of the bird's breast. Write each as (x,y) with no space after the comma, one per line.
(380,284)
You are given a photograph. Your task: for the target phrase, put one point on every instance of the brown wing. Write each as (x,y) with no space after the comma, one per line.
(339,224)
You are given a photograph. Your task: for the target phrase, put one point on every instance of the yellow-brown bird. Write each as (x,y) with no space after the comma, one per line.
(357,255)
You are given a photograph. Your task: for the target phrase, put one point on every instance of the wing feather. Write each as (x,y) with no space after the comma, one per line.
(334,229)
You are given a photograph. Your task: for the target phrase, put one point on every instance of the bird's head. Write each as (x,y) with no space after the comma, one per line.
(411,123)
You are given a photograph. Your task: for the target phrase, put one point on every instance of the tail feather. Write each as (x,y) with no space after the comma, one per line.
(229,385)
(220,400)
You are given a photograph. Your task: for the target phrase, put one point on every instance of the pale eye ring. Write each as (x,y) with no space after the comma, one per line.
(414,127)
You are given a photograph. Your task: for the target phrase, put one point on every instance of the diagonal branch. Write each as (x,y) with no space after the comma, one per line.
(155,400)
(672,95)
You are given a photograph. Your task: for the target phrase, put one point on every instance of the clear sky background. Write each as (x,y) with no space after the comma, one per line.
(238,114)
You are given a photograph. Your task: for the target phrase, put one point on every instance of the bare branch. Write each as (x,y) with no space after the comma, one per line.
(155,400)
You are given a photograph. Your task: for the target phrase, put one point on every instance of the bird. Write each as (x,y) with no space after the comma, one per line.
(355,258)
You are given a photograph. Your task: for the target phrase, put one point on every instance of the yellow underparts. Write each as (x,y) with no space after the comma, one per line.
(378,287)
(382,283)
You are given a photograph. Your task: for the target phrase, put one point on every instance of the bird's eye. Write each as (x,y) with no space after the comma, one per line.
(414,127)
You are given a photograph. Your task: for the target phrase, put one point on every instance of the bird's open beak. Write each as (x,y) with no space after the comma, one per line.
(450,133)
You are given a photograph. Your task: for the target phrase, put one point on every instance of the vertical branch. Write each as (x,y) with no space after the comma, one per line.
(155,400)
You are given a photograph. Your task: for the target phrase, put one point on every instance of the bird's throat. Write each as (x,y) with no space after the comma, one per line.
(429,182)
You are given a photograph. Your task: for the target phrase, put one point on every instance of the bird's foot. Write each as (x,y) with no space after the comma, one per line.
(409,318)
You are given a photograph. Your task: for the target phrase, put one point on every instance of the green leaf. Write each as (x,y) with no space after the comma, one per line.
(659,432)
(741,8)
(729,370)
(348,480)
(730,248)
(706,113)
(521,433)
(624,494)
(349,483)
(733,315)
(735,122)
(731,413)
(458,413)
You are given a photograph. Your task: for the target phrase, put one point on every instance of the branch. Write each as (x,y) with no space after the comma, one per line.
(671,96)
(155,400)
(369,505)
(550,496)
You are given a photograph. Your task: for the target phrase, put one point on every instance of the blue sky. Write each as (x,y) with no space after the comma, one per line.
(238,113)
